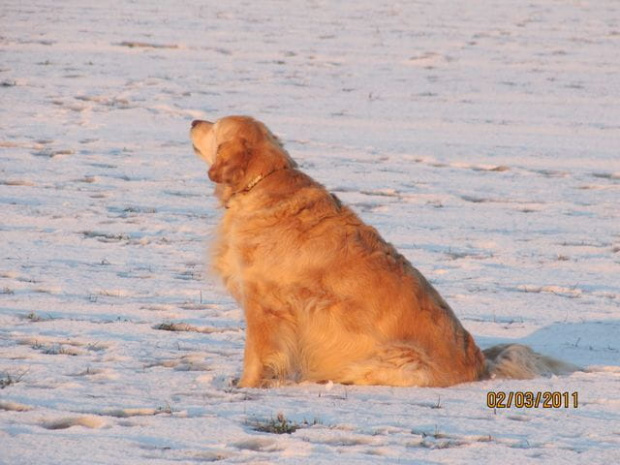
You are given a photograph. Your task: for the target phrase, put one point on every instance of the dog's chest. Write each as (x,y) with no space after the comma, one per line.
(236,251)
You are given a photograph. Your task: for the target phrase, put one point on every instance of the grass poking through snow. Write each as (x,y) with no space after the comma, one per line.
(280,425)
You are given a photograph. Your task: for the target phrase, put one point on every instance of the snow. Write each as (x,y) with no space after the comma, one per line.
(480,137)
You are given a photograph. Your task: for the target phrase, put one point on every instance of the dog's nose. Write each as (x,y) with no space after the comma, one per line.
(196,122)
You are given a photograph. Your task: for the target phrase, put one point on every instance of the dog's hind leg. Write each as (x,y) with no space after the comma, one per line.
(397,364)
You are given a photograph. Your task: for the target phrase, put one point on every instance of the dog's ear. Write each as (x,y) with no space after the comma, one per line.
(231,162)
(266,159)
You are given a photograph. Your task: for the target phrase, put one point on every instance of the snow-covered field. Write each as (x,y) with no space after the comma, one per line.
(482,138)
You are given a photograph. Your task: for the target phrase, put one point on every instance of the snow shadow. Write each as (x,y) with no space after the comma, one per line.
(587,343)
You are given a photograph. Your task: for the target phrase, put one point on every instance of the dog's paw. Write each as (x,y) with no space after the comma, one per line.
(263,383)
(247,382)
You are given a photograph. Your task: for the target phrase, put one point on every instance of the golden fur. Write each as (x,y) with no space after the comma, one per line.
(324,296)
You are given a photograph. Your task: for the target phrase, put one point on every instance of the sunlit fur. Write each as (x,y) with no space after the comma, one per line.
(324,296)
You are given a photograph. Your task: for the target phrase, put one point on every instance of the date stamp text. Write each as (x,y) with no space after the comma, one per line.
(531,399)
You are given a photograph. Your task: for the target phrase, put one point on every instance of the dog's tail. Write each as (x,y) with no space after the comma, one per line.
(517,361)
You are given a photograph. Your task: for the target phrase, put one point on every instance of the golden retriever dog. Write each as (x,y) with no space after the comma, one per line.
(325,297)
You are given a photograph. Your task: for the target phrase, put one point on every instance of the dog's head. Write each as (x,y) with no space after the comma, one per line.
(239,150)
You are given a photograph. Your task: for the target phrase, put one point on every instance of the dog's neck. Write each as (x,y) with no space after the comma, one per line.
(249,186)
(254,182)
